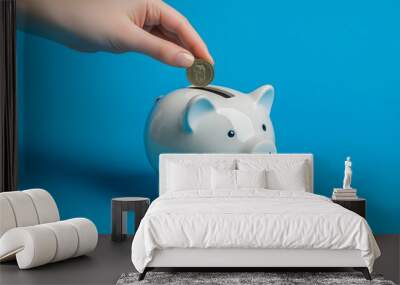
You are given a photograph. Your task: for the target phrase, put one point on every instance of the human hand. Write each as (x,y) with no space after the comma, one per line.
(151,27)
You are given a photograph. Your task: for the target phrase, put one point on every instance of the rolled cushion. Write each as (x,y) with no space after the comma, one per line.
(46,207)
(23,208)
(87,234)
(41,244)
(33,246)
(26,208)
(67,240)
(7,218)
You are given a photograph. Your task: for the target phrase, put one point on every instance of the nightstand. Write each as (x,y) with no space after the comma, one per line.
(358,205)
(119,209)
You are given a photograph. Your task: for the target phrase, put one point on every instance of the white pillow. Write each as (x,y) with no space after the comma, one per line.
(281,174)
(182,177)
(223,179)
(290,179)
(251,178)
(237,179)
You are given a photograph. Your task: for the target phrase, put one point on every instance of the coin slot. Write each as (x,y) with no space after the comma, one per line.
(216,91)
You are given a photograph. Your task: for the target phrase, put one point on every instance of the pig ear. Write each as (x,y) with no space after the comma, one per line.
(196,108)
(264,96)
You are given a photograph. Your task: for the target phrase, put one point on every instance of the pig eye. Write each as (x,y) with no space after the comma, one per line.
(231,133)
(264,127)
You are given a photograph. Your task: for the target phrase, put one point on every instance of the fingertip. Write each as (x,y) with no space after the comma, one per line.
(184,59)
(205,54)
(211,60)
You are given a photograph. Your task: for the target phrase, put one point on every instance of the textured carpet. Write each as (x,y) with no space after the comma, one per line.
(269,278)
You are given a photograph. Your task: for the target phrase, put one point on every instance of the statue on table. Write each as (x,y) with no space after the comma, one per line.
(347,173)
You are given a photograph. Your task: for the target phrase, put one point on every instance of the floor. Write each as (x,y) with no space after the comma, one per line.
(389,262)
(110,260)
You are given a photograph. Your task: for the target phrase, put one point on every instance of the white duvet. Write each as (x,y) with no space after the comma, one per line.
(250,218)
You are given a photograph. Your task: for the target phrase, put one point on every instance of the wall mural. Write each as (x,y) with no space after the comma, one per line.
(210,119)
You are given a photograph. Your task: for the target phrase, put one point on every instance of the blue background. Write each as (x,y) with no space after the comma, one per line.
(334,65)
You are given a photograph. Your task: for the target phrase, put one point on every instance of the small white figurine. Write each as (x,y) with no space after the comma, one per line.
(347,173)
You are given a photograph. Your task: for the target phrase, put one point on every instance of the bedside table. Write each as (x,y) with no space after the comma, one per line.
(120,207)
(358,205)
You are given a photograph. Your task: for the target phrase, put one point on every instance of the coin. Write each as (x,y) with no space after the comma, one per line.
(200,73)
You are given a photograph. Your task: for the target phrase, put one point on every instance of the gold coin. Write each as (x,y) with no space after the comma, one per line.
(200,73)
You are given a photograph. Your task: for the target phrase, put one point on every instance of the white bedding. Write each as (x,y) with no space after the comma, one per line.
(251,218)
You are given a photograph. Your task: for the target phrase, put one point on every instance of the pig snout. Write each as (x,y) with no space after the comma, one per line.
(260,146)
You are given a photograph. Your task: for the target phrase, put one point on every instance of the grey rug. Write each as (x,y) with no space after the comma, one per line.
(269,278)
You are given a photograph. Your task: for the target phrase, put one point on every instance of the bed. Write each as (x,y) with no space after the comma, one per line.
(244,211)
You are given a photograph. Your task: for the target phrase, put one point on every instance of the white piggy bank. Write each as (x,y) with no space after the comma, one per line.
(210,119)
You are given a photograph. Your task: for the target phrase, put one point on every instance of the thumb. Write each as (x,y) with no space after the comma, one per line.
(168,52)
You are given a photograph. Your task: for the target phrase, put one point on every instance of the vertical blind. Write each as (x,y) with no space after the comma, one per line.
(8,118)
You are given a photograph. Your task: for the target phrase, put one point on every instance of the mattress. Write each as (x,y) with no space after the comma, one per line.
(250,219)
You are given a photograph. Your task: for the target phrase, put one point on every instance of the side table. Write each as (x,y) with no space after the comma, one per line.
(358,205)
(120,207)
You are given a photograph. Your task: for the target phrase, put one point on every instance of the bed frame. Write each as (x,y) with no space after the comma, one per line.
(236,259)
